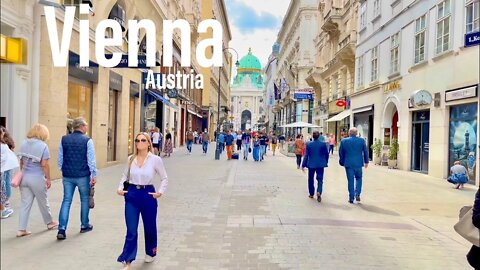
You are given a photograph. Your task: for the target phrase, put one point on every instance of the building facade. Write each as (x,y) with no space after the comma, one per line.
(247,94)
(417,81)
(114,101)
(295,59)
(216,76)
(333,75)
(270,72)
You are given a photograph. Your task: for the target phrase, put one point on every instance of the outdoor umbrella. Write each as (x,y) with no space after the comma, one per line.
(300,125)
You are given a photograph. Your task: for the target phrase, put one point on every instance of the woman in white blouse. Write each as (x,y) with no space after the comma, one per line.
(141,198)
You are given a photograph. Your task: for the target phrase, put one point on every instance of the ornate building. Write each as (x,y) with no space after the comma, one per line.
(247,94)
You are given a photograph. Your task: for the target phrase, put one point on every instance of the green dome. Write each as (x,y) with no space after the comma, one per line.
(249,62)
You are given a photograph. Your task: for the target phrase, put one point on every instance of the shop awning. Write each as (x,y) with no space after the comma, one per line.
(194,113)
(340,116)
(159,97)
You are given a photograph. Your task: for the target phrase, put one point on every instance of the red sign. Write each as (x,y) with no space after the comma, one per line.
(341,103)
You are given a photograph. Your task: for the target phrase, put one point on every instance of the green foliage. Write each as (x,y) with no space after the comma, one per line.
(377,147)
(393,151)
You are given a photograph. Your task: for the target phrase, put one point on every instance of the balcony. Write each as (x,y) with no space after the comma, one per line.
(347,47)
(332,19)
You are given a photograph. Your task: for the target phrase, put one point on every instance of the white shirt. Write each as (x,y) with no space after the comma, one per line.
(239,136)
(145,175)
(155,137)
(8,159)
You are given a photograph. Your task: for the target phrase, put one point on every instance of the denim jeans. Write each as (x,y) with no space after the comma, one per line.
(7,178)
(189,145)
(69,185)
(246,147)
(263,151)
(330,150)
(354,174)
(139,202)
(311,173)
(205,147)
(299,160)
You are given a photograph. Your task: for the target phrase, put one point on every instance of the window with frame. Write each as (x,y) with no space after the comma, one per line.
(420,35)
(472,16)
(363,16)
(360,72)
(376,8)
(443,26)
(374,73)
(395,53)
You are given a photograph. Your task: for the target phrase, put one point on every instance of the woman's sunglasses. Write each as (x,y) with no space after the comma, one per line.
(142,140)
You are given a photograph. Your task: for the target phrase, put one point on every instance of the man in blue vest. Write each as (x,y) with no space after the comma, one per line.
(76,160)
(315,159)
(353,156)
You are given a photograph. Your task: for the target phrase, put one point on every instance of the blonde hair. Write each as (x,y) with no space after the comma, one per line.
(150,145)
(39,131)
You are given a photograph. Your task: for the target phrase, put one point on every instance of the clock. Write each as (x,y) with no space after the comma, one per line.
(421,98)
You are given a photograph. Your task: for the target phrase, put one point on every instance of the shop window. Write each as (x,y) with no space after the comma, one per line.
(79,104)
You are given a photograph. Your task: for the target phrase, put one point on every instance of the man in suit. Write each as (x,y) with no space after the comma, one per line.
(353,156)
(315,159)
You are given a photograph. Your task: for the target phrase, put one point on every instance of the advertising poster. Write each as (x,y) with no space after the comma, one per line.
(463,137)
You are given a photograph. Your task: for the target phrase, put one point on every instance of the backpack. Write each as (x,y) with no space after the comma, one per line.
(190,135)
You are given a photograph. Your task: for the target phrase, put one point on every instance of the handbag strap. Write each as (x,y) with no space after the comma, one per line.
(129,166)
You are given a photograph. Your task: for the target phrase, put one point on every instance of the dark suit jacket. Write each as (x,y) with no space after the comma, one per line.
(316,155)
(473,256)
(353,152)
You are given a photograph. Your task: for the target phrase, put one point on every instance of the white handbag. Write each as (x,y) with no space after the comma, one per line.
(465,227)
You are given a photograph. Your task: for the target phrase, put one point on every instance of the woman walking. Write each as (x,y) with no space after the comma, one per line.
(299,149)
(168,145)
(141,198)
(34,158)
(256,148)
(155,141)
(239,141)
(274,143)
(11,162)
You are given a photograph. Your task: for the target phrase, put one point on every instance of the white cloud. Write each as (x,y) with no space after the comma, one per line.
(260,40)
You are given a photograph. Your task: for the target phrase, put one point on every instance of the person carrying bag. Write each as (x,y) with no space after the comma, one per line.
(469,228)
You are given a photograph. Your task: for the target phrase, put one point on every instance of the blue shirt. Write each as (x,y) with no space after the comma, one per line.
(221,138)
(229,139)
(92,164)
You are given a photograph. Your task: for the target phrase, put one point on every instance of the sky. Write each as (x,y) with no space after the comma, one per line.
(255,24)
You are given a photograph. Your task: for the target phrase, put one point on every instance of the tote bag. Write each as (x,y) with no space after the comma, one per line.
(17,179)
(466,229)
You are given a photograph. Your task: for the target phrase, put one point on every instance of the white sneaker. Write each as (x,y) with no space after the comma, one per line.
(7,213)
(149,259)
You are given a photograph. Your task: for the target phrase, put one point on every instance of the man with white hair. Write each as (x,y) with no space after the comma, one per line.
(353,156)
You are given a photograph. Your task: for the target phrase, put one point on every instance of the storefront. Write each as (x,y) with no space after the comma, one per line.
(80,91)
(363,121)
(134,94)
(463,130)
(420,141)
(115,88)
(338,120)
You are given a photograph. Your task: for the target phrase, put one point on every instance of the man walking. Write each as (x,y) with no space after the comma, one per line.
(229,139)
(76,160)
(246,138)
(263,145)
(315,159)
(332,143)
(221,142)
(205,141)
(353,156)
(190,137)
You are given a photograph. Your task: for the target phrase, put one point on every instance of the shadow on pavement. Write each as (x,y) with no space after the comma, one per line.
(379,210)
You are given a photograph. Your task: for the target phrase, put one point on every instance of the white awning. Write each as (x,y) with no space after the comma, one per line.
(194,113)
(362,109)
(340,116)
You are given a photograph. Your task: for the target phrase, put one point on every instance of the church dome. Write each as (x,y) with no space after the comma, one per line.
(249,63)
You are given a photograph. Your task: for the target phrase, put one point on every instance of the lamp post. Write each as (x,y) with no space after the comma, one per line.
(237,64)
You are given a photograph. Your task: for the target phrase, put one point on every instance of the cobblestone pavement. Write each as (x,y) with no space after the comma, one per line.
(256,215)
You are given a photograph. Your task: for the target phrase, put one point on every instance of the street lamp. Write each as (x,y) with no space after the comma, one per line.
(237,64)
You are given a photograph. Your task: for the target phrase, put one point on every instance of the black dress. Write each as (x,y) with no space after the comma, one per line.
(473,256)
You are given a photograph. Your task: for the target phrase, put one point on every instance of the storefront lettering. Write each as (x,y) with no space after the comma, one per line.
(391,86)
(60,49)
(461,93)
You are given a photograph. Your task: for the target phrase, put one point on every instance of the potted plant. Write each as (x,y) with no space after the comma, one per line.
(377,151)
(393,154)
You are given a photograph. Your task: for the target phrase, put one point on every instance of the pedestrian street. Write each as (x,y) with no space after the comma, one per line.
(256,215)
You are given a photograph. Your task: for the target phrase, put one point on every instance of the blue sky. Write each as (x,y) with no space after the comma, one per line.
(255,24)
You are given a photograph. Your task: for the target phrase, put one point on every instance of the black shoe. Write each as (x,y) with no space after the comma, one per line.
(310,196)
(61,235)
(87,229)
(319,197)
(357,198)
(350,201)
